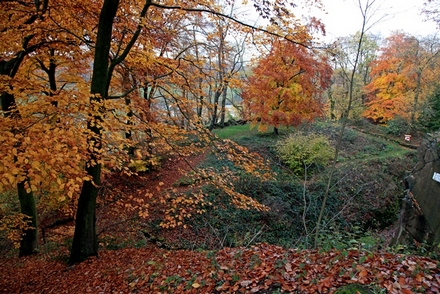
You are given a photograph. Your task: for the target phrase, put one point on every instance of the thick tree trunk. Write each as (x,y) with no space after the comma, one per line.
(85,241)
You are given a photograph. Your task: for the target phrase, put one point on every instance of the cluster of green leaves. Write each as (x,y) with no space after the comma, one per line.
(302,151)
(398,126)
(349,238)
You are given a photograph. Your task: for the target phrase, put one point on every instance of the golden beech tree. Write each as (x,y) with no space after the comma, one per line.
(15,46)
(85,239)
(285,86)
(38,133)
(401,78)
(107,80)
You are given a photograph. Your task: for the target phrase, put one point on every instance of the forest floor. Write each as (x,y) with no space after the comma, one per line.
(144,265)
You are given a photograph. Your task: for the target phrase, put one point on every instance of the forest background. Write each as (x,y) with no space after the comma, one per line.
(100,92)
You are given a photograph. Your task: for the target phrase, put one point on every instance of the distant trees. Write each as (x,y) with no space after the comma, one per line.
(285,86)
(343,53)
(401,77)
(432,10)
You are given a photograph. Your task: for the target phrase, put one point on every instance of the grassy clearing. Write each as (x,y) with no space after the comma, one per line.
(237,131)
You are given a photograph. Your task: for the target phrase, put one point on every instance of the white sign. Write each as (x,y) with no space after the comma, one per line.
(436,177)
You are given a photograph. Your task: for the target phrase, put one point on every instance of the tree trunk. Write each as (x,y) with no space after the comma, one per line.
(221,86)
(85,242)
(332,103)
(416,97)
(223,108)
(29,240)
(215,110)
(344,117)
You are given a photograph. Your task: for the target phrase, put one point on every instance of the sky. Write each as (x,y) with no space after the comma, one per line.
(344,18)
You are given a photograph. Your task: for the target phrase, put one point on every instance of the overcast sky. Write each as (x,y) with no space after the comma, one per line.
(344,18)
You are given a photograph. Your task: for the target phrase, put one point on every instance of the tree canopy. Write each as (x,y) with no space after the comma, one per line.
(285,86)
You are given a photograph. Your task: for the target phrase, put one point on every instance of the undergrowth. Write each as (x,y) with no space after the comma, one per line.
(363,200)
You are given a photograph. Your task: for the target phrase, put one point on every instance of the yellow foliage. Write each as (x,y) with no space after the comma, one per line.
(14,225)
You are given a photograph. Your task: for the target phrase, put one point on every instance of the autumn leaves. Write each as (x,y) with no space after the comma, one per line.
(130,82)
(286,86)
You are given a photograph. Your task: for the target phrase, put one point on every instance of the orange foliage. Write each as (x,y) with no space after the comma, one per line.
(60,132)
(285,86)
(401,77)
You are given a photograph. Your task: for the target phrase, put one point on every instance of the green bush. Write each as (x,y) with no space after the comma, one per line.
(397,126)
(430,112)
(305,150)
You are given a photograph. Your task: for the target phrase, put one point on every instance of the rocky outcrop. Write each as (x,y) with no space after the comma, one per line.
(420,211)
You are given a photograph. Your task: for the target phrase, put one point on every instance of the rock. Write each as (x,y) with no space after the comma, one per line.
(419,218)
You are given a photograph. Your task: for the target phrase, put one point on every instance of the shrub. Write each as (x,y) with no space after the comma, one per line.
(397,126)
(305,150)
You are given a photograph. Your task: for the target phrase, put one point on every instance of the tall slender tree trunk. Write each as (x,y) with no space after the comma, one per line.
(223,108)
(200,82)
(29,241)
(221,86)
(345,116)
(416,97)
(85,243)
(214,116)
(332,103)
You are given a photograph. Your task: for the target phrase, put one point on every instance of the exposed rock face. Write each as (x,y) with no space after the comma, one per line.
(420,212)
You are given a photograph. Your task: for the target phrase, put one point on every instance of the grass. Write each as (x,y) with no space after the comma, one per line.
(234,132)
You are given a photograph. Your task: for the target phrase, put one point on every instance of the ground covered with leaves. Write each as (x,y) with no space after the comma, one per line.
(259,269)
(136,257)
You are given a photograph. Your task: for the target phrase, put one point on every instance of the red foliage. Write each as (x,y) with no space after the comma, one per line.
(285,86)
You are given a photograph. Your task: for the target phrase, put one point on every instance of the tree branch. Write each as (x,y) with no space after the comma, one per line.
(230,18)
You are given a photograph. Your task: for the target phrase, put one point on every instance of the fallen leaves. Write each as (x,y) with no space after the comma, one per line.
(258,269)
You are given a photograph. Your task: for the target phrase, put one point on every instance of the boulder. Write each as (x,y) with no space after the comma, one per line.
(420,210)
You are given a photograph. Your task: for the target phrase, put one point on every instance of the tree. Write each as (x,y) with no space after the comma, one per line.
(39,127)
(401,78)
(343,52)
(228,64)
(285,86)
(79,122)
(432,10)
(303,152)
(85,241)
(430,117)
(12,24)
(368,10)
